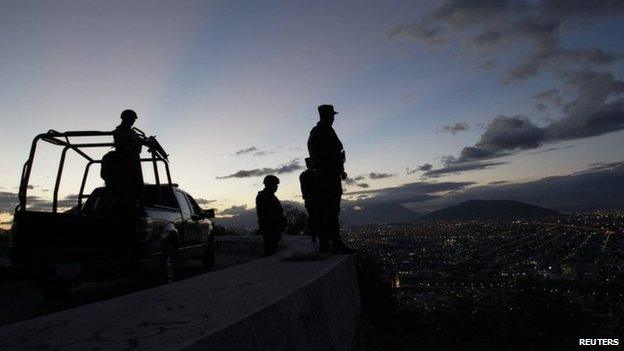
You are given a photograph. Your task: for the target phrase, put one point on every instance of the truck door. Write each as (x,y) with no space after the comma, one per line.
(190,236)
(203,224)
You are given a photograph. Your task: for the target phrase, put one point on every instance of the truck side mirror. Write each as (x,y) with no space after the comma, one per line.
(210,214)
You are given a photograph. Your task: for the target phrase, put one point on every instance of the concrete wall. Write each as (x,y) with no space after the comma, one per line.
(290,301)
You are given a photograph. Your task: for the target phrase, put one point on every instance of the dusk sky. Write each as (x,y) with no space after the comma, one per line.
(429,92)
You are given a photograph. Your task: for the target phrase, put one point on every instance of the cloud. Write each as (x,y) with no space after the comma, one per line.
(503,135)
(497,182)
(552,149)
(496,25)
(263,153)
(580,8)
(456,168)
(600,166)
(246,151)
(488,64)
(201,201)
(234,210)
(454,128)
(372,175)
(8,202)
(417,32)
(548,97)
(596,109)
(425,167)
(422,168)
(463,13)
(289,167)
(354,182)
(411,191)
(375,175)
(68,201)
(254,151)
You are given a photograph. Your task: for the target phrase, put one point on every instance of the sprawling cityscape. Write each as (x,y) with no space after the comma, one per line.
(484,267)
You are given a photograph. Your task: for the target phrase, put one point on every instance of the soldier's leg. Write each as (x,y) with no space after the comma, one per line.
(339,245)
(323,224)
(311,225)
(271,242)
(333,214)
(330,187)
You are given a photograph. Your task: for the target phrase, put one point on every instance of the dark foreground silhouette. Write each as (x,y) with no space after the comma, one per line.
(124,227)
(327,158)
(271,220)
(321,188)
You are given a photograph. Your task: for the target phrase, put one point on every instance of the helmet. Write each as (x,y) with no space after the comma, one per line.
(270,180)
(128,114)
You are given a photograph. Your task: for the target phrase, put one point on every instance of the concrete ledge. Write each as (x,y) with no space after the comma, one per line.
(241,244)
(266,304)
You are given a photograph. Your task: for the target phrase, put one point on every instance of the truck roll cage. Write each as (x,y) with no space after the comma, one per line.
(63,139)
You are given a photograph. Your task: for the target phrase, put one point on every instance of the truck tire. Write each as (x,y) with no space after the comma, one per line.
(169,264)
(208,259)
(54,289)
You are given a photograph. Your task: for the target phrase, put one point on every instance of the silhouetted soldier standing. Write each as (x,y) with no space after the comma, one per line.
(328,158)
(306,180)
(128,161)
(271,220)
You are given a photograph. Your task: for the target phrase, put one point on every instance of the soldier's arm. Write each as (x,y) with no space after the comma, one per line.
(313,147)
(259,208)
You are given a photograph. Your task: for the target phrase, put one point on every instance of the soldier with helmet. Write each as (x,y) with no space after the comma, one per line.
(121,169)
(271,220)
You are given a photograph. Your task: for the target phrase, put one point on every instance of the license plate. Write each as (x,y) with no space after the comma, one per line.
(67,270)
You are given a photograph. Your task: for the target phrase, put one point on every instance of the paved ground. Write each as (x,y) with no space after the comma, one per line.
(293,300)
(20,300)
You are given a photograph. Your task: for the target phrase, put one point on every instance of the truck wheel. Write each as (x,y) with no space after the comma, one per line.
(54,289)
(208,259)
(169,264)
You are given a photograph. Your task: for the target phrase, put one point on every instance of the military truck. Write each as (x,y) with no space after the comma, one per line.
(92,242)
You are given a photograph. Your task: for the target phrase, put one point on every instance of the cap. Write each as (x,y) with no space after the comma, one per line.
(327,109)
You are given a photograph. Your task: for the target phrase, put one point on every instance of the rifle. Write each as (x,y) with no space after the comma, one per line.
(152,144)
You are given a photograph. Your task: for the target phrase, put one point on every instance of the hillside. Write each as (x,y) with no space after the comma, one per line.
(490,210)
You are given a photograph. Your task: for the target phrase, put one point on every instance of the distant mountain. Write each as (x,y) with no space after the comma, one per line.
(490,210)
